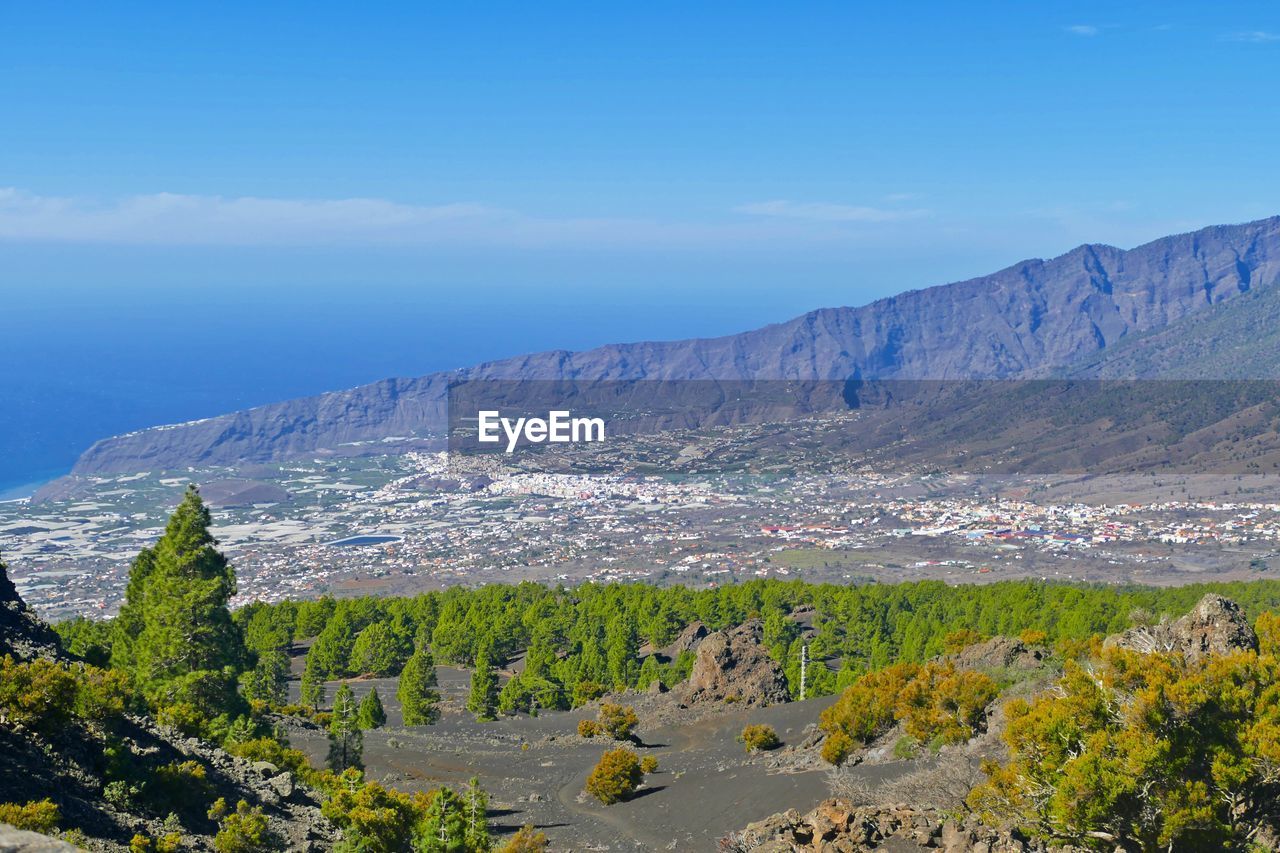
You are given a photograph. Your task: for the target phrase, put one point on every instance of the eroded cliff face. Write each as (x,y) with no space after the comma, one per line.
(1023,320)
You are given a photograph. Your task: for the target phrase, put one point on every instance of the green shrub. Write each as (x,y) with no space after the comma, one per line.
(39,695)
(759,737)
(617,721)
(588,728)
(906,748)
(244,831)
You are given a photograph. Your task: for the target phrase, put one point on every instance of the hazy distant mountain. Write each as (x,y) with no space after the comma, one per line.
(1168,308)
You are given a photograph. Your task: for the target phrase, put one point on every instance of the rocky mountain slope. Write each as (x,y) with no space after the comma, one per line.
(1025,320)
(73,766)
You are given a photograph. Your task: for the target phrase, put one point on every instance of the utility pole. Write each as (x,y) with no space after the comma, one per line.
(804,668)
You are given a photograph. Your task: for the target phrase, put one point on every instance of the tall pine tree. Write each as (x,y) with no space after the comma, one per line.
(175,634)
(313,688)
(482,701)
(419,698)
(475,815)
(346,739)
(372,715)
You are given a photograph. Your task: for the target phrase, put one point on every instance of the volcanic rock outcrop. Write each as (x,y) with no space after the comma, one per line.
(22,634)
(1215,626)
(733,665)
(837,826)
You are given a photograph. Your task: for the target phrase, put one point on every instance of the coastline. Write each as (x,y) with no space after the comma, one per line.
(14,493)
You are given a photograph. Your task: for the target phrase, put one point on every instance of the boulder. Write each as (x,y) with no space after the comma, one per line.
(20,841)
(1215,626)
(1000,653)
(837,826)
(733,665)
(689,640)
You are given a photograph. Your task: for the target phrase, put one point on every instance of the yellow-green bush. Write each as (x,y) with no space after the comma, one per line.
(959,640)
(179,785)
(836,748)
(244,831)
(615,777)
(270,750)
(759,737)
(39,695)
(35,816)
(526,840)
(617,721)
(936,703)
(378,818)
(182,717)
(1144,752)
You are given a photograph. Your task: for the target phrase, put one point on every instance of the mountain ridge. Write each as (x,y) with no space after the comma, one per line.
(1028,319)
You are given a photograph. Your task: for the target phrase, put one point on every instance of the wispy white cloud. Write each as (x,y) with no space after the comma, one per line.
(1083,30)
(173,217)
(825,212)
(1253,37)
(178,219)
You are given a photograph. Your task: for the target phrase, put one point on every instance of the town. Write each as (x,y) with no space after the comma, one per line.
(672,508)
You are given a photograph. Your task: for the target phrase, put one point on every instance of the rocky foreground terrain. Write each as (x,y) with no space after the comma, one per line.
(705,792)
(69,768)
(1216,626)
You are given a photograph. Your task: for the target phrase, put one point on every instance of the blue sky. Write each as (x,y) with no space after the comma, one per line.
(420,140)
(306,182)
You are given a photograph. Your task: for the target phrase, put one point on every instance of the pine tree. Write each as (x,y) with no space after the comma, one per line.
(128,623)
(346,740)
(313,616)
(374,652)
(178,637)
(443,830)
(332,649)
(313,689)
(372,715)
(649,672)
(268,680)
(475,806)
(482,701)
(622,650)
(419,699)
